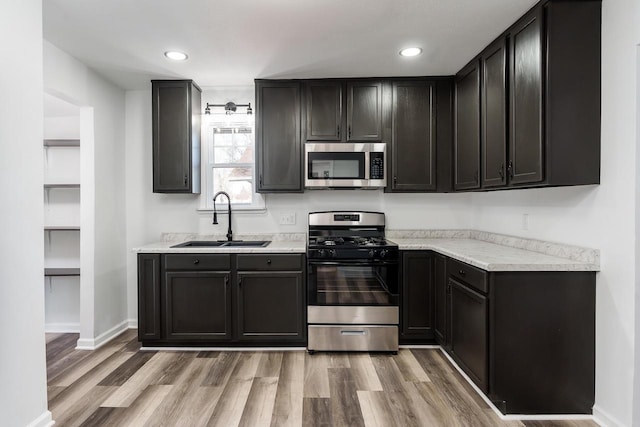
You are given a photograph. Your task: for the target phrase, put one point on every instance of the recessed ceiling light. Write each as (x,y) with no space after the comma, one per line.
(411,51)
(175,55)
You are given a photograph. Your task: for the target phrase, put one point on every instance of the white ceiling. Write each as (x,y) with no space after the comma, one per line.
(232,42)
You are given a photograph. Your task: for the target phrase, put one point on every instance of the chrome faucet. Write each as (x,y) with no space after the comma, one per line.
(215,213)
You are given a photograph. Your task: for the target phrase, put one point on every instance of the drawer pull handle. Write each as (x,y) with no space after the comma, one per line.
(462,273)
(196,262)
(353,332)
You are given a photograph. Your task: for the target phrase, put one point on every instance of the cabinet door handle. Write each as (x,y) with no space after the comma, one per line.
(185,179)
(269,261)
(338,131)
(196,262)
(476,177)
(226,280)
(239,282)
(501,172)
(349,131)
(510,169)
(462,272)
(260,180)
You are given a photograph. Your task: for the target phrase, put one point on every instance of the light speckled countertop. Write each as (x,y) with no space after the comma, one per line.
(488,251)
(494,257)
(280,243)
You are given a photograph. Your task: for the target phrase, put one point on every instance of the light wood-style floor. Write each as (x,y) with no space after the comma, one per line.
(119,385)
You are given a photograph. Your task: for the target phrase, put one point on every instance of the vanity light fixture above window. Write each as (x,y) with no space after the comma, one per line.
(229,108)
(411,51)
(176,55)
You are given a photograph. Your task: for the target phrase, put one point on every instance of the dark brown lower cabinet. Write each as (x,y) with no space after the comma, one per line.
(441,297)
(469,340)
(269,307)
(203,299)
(525,338)
(197,305)
(416,324)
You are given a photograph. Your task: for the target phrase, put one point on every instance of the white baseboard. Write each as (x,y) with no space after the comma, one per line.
(103,338)
(133,323)
(514,417)
(62,327)
(43,420)
(605,419)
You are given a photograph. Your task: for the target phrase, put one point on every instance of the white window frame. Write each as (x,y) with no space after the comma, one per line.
(210,122)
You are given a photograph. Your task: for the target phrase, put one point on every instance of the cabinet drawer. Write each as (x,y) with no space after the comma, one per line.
(270,262)
(474,277)
(197,262)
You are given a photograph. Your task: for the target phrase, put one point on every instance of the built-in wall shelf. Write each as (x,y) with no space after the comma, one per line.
(62,227)
(60,185)
(62,143)
(59,271)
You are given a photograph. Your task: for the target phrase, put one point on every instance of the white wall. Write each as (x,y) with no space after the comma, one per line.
(149,214)
(602,217)
(23,392)
(103,103)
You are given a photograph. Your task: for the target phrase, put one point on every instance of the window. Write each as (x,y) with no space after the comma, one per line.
(229,161)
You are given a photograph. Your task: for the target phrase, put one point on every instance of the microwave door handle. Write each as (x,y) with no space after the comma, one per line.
(367,171)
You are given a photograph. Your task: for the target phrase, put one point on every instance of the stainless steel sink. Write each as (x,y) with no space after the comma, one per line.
(247,243)
(200,244)
(223,243)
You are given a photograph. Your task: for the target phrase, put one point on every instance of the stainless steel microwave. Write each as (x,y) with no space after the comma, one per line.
(345,165)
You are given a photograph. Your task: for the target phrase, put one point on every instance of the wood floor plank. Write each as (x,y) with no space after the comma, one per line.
(199,407)
(345,407)
(120,375)
(388,372)
(61,344)
(270,364)
(65,363)
(131,389)
(53,391)
(91,361)
(375,409)
(174,369)
(259,408)
(224,365)
(316,379)
(100,417)
(83,407)
(287,409)
(230,406)
(208,354)
(316,412)
(409,367)
(141,410)
(364,373)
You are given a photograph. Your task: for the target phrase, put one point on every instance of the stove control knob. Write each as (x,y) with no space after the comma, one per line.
(372,253)
(332,253)
(320,253)
(383,253)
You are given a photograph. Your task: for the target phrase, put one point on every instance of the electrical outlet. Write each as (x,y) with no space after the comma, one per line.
(287,218)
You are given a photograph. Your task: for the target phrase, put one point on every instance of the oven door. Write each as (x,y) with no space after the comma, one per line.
(352,283)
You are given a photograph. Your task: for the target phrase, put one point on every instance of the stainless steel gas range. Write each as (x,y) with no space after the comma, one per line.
(352,280)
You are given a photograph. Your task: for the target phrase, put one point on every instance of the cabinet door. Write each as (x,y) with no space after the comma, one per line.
(271,306)
(176,136)
(197,306)
(440,326)
(494,115)
(469,344)
(413,137)
(324,110)
(417,296)
(467,129)
(278,138)
(149,297)
(364,111)
(525,86)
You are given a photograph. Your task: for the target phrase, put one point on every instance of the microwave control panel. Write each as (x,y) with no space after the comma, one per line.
(376,167)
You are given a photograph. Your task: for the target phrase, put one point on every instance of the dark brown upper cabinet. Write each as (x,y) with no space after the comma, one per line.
(493,113)
(364,110)
(466,154)
(343,110)
(540,101)
(324,107)
(278,136)
(176,136)
(526,146)
(413,139)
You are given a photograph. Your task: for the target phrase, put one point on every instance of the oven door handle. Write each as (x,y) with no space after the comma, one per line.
(366,263)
